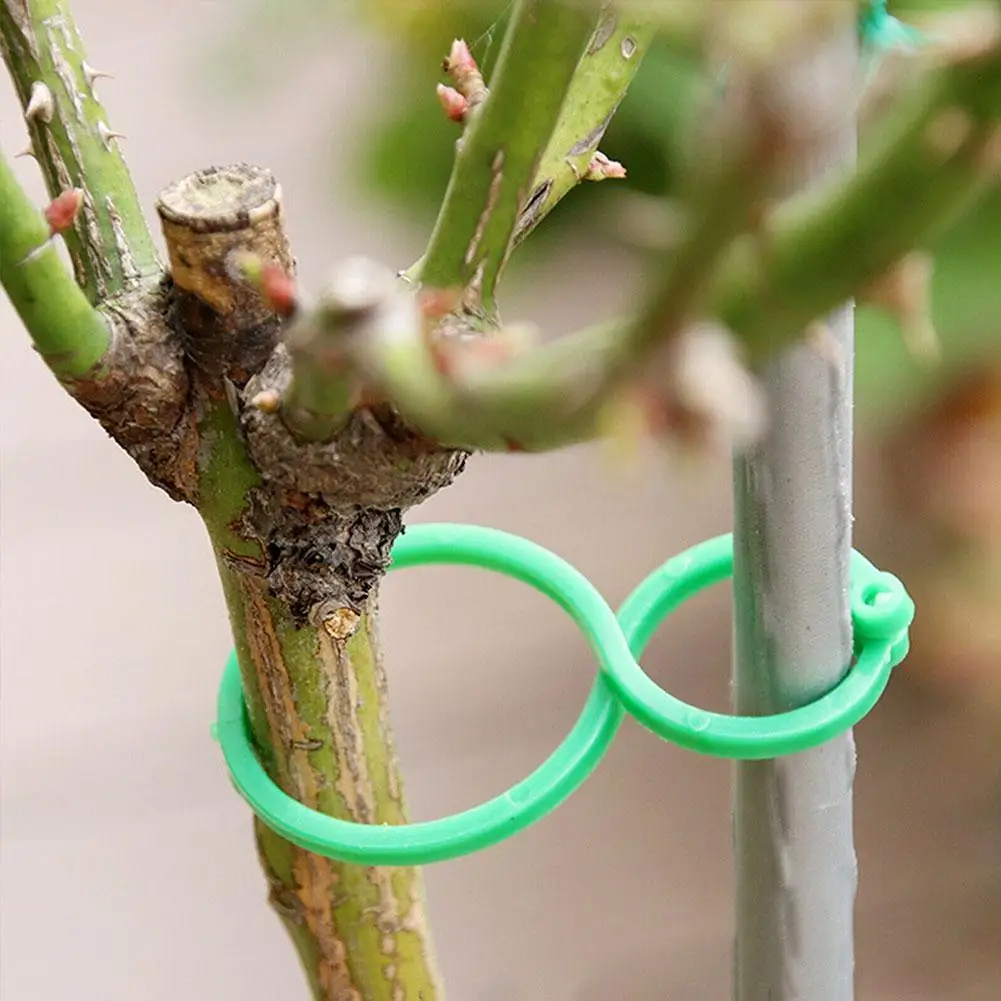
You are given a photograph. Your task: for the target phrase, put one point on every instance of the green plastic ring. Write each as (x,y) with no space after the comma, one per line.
(880,607)
(881,612)
(499,818)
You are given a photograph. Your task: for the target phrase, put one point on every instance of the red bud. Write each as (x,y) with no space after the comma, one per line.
(61,213)
(459,61)
(601,168)
(278,290)
(453,102)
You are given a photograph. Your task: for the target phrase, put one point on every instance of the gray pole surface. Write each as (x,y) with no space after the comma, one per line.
(793,840)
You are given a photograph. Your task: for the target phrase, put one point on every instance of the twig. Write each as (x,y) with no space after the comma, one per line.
(70,334)
(501,149)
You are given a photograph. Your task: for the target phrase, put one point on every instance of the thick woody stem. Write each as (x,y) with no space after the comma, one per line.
(110,245)
(300,579)
(501,149)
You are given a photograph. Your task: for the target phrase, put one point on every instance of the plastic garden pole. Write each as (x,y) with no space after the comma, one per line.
(793,845)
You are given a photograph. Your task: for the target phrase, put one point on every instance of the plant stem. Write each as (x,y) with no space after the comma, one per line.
(501,149)
(319,706)
(110,245)
(70,334)
(610,61)
(299,579)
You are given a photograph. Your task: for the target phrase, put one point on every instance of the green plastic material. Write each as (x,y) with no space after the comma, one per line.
(881,612)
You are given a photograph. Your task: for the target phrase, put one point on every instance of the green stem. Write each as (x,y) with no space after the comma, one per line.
(501,149)
(69,333)
(302,606)
(323,391)
(610,61)
(110,245)
(322,722)
(319,708)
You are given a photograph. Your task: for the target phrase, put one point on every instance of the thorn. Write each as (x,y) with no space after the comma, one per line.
(90,75)
(268,401)
(41,106)
(453,102)
(107,135)
(601,168)
(37,252)
(28,150)
(62,211)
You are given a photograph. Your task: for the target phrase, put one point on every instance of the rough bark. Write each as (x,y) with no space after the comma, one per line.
(301,540)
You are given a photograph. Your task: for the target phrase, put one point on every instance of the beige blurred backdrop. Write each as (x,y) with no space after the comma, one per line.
(128,868)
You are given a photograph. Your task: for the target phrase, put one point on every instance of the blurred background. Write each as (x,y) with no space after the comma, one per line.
(128,867)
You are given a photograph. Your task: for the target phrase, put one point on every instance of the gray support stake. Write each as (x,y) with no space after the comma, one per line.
(793,839)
